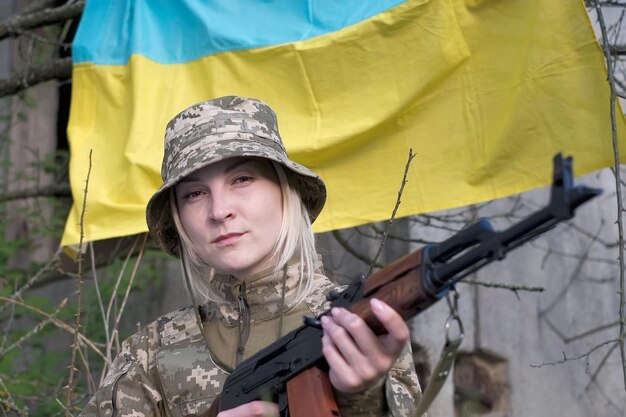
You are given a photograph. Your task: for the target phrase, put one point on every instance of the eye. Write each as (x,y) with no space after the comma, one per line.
(191,195)
(242,179)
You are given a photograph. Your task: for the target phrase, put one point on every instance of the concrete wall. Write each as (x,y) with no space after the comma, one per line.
(31,135)
(528,329)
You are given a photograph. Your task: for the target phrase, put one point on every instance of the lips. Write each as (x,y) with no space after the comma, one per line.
(227,239)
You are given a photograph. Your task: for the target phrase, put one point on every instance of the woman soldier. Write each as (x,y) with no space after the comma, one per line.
(238,214)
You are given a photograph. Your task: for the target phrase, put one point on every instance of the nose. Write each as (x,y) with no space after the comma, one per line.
(220,207)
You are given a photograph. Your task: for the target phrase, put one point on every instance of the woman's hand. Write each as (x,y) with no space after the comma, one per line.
(252,409)
(358,358)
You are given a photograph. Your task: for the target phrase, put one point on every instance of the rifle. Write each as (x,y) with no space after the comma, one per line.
(294,366)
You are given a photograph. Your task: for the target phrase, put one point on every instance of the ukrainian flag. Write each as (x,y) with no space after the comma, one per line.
(485,92)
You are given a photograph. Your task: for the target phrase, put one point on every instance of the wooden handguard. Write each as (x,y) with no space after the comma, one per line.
(310,394)
(400,286)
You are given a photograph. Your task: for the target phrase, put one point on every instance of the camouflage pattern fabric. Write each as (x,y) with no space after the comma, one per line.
(214,130)
(167,369)
(404,394)
(398,397)
(265,321)
(264,293)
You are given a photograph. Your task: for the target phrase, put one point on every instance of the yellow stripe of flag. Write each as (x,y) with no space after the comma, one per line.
(485,92)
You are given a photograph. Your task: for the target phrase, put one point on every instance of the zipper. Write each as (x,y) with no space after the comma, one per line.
(116,412)
(244,323)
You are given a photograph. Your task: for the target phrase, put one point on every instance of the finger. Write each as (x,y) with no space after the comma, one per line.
(357,329)
(335,359)
(354,344)
(353,337)
(370,353)
(343,375)
(340,340)
(391,320)
(397,329)
(357,345)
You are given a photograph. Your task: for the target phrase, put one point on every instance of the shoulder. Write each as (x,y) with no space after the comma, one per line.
(170,328)
(179,325)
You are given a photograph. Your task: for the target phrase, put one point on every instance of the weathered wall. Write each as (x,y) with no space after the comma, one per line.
(580,280)
(6,8)
(32,135)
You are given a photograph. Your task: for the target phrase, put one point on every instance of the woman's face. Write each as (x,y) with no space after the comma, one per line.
(232,212)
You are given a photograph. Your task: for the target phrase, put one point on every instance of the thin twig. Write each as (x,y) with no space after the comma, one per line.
(582,335)
(573,277)
(130,284)
(79,282)
(398,238)
(36,329)
(601,365)
(550,251)
(105,323)
(9,402)
(348,248)
(58,323)
(107,317)
(575,358)
(47,267)
(603,242)
(618,188)
(511,287)
(395,210)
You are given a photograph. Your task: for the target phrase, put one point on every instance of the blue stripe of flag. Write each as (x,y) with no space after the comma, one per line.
(178,31)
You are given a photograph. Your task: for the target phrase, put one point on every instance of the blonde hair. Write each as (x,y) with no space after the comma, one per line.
(295,242)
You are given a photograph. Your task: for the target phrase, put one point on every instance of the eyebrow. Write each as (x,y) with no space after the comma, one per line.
(231,167)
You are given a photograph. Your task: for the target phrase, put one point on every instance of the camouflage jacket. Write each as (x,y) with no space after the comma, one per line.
(170,367)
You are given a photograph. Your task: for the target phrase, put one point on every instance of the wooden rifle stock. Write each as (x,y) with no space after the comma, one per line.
(310,394)
(409,285)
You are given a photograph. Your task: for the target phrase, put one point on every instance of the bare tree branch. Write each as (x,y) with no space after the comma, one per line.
(379,232)
(38,5)
(9,402)
(36,329)
(512,287)
(344,244)
(603,361)
(79,281)
(585,355)
(395,210)
(17,24)
(47,267)
(58,69)
(568,339)
(54,190)
(608,3)
(618,189)
(60,324)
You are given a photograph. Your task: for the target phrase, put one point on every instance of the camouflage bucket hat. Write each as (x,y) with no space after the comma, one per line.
(214,130)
